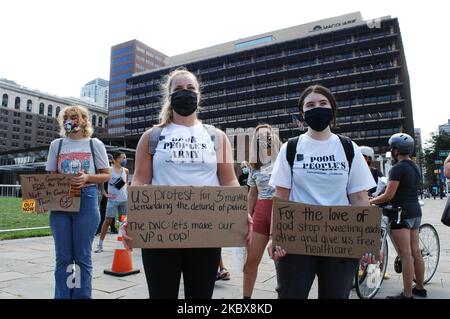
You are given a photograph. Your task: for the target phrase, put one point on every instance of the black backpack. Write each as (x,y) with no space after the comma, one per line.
(345,141)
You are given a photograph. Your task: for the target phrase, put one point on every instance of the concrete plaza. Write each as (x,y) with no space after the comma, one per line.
(27,265)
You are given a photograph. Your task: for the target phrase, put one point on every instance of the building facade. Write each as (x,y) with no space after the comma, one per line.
(97,92)
(28,117)
(127,58)
(259,80)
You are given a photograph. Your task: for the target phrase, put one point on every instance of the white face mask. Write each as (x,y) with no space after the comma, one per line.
(245,170)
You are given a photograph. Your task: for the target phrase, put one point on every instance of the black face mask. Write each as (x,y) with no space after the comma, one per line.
(184,102)
(318,118)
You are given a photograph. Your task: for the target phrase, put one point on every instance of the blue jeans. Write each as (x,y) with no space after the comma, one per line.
(73,234)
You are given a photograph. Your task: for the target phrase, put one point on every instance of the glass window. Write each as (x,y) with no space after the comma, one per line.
(41,108)
(100,121)
(94,120)
(58,109)
(50,110)
(29,106)
(5,100)
(17,103)
(253,42)
(121,51)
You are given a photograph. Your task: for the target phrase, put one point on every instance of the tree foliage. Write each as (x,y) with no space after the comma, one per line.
(439,141)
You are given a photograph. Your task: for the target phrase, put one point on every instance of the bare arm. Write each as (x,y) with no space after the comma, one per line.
(143,162)
(359,199)
(102,176)
(391,189)
(225,170)
(252,197)
(447,167)
(282,192)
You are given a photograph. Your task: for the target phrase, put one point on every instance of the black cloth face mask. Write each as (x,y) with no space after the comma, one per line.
(184,102)
(318,118)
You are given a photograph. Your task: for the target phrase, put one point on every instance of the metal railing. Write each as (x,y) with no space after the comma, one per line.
(12,218)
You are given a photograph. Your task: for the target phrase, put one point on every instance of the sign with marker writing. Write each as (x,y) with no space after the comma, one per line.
(44,192)
(187,217)
(334,231)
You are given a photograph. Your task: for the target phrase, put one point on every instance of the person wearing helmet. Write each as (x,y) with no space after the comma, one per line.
(369,156)
(401,191)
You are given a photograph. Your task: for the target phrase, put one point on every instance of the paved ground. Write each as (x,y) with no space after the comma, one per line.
(26,270)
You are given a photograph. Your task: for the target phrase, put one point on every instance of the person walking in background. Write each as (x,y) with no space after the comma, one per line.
(74,233)
(264,149)
(103,202)
(245,172)
(117,195)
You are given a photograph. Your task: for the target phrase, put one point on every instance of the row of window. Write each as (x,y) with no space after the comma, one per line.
(29,106)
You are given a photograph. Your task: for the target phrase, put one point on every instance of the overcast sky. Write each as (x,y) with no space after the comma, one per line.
(56,46)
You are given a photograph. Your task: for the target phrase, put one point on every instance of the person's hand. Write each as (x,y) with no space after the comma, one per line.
(275,252)
(369,258)
(111,196)
(39,209)
(127,240)
(79,180)
(249,236)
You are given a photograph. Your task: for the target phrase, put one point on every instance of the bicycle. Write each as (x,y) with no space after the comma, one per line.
(368,278)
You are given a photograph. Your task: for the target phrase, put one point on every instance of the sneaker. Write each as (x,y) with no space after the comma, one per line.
(419,292)
(401,296)
(99,249)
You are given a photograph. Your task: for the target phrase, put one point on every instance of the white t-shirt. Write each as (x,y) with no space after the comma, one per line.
(320,172)
(76,157)
(121,194)
(185,156)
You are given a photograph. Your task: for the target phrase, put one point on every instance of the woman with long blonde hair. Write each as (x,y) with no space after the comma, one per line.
(76,153)
(264,148)
(176,164)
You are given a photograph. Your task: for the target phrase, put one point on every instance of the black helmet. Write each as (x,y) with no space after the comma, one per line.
(403,142)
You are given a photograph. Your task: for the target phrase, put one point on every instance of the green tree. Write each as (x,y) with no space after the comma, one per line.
(439,141)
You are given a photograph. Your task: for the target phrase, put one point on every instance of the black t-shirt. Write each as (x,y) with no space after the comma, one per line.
(408,174)
(243,179)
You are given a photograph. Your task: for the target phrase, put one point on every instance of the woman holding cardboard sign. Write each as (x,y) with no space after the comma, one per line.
(76,153)
(318,168)
(158,162)
(264,149)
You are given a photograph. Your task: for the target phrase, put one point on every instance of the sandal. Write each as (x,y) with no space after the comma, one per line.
(223,274)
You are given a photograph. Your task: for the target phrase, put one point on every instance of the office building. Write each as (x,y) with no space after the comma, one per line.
(259,80)
(96,91)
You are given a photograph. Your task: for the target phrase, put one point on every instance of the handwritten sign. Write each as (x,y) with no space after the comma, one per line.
(48,192)
(187,217)
(336,231)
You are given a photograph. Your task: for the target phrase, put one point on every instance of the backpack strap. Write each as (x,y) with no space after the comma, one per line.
(91,145)
(291,151)
(348,149)
(155,133)
(212,131)
(58,152)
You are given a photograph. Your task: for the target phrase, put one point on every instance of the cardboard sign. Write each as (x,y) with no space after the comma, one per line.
(335,231)
(48,192)
(187,217)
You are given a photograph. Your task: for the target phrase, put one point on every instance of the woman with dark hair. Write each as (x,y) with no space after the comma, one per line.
(337,181)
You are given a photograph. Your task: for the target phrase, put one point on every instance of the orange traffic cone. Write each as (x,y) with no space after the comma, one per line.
(122,262)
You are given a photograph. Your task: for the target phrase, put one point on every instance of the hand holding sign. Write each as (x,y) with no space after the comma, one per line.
(334,231)
(187,217)
(44,192)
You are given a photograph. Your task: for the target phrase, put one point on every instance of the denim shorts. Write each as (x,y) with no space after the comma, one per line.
(410,223)
(116,206)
